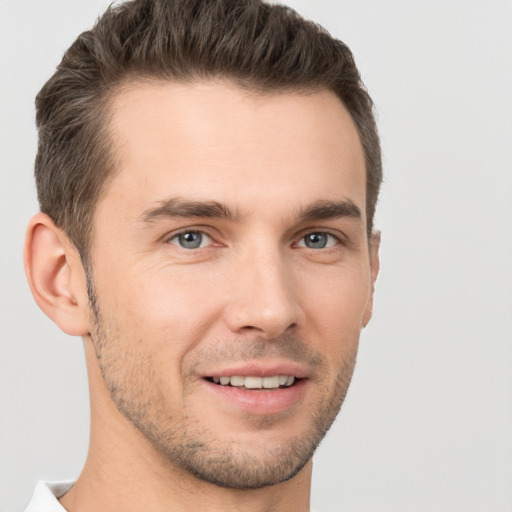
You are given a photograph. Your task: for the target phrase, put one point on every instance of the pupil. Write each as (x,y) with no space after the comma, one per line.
(190,240)
(316,240)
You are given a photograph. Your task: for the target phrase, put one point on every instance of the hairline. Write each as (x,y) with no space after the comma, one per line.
(111,147)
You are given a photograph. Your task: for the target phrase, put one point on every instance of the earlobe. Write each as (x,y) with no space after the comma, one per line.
(374,272)
(55,275)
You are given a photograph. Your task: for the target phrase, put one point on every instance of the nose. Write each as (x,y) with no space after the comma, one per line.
(263,299)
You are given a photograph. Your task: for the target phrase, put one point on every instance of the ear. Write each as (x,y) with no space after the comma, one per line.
(56,276)
(374,271)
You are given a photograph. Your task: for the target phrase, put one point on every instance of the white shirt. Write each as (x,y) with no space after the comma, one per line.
(46,494)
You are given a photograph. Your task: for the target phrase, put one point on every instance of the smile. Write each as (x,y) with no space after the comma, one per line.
(254,382)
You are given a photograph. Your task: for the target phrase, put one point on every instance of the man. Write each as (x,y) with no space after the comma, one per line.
(207,174)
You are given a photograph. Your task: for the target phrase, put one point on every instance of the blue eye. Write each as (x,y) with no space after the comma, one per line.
(318,240)
(190,239)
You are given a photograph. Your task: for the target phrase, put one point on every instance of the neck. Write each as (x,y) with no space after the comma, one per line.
(123,471)
(108,487)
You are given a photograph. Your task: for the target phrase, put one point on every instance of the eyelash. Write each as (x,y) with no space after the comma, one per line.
(326,234)
(189,232)
(202,233)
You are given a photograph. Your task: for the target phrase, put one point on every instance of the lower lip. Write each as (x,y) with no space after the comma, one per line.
(260,401)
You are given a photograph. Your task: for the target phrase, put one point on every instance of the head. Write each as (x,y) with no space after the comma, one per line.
(212,168)
(261,47)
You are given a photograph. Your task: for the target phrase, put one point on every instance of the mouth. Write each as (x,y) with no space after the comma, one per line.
(255,383)
(258,387)
(253,394)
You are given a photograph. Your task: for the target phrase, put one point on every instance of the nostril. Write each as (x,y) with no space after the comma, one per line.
(264,312)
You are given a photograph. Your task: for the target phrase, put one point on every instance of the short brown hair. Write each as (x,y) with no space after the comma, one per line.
(258,45)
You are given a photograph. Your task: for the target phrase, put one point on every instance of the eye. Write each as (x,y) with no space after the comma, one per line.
(318,240)
(191,240)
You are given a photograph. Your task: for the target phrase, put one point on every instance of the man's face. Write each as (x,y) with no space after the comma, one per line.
(231,274)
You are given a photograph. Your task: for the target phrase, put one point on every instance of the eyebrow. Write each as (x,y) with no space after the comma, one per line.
(324,210)
(176,207)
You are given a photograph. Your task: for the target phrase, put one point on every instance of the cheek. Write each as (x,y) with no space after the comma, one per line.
(171,309)
(335,305)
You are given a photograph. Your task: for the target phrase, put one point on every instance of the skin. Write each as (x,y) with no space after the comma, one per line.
(253,293)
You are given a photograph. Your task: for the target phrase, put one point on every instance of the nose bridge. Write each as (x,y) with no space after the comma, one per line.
(264,300)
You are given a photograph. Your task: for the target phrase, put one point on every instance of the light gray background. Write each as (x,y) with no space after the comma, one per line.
(427,425)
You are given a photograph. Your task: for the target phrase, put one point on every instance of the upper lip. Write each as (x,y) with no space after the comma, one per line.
(259,369)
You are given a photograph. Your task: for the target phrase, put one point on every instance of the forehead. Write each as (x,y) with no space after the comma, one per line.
(215,140)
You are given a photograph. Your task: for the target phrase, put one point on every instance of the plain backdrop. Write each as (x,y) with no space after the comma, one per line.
(427,425)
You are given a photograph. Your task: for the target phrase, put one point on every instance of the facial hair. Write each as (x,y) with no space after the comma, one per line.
(184,440)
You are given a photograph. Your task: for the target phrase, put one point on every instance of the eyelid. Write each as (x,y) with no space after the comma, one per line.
(301,241)
(204,230)
(338,235)
(206,240)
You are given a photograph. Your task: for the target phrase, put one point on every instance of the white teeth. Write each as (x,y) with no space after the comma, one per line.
(237,380)
(253,382)
(273,382)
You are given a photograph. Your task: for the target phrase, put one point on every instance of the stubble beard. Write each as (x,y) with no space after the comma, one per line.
(183,440)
